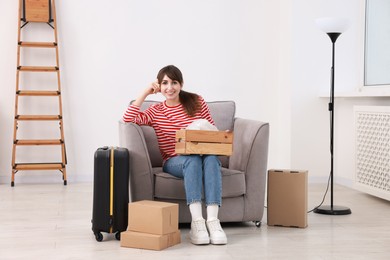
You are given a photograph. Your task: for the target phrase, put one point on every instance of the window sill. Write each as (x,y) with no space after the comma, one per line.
(361,93)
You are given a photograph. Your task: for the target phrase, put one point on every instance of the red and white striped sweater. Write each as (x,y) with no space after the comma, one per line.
(166,121)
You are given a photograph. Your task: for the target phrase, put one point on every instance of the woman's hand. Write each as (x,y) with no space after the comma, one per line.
(153,88)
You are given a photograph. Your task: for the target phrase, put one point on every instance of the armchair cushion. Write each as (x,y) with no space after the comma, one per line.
(169,187)
(152,144)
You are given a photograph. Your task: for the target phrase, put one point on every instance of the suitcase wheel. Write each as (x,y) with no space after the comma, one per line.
(118,235)
(99,236)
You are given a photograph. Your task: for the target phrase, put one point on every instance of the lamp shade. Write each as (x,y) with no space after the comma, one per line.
(332,24)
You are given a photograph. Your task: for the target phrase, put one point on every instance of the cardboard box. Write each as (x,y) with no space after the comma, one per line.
(153,217)
(287,198)
(204,142)
(149,241)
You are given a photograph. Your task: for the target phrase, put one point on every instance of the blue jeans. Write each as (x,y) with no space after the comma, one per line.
(197,170)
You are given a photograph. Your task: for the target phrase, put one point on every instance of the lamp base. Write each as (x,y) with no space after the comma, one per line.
(333,210)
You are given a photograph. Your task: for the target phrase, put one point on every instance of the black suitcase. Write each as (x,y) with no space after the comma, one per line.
(110,191)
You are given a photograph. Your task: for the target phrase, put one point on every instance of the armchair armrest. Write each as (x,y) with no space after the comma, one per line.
(250,155)
(140,168)
(250,145)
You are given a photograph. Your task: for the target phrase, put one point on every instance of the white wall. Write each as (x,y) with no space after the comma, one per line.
(311,62)
(266,55)
(110,51)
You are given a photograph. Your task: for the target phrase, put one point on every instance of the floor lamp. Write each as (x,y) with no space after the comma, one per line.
(333,27)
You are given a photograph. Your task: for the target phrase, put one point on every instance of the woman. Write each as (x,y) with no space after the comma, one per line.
(180,109)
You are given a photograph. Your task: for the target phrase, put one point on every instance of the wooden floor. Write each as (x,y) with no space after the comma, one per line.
(52,221)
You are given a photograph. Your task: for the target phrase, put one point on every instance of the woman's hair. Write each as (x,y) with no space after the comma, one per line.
(190,101)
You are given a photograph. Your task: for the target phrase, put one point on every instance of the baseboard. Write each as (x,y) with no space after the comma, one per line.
(44,178)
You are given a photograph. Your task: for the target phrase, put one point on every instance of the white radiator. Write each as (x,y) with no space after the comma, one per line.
(372,137)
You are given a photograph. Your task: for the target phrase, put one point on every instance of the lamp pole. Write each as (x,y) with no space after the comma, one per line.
(331,209)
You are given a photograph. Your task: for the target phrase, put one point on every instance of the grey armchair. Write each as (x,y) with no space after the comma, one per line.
(243,173)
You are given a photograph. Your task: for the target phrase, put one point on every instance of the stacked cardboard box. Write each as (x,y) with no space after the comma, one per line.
(152,225)
(287,198)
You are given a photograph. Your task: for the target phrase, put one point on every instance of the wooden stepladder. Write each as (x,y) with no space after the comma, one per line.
(41,13)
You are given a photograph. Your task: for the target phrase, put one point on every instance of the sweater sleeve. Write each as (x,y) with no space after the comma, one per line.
(134,115)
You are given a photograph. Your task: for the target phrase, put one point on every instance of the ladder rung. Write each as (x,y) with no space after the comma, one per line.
(38,117)
(38,93)
(39,142)
(38,166)
(38,44)
(38,68)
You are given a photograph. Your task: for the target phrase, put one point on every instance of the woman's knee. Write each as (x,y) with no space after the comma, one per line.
(192,161)
(193,158)
(211,159)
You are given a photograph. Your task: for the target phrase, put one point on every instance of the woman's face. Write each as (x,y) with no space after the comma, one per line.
(170,90)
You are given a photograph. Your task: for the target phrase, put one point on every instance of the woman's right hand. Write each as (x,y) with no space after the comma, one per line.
(153,88)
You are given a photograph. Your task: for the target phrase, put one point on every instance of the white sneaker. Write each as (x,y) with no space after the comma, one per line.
(198,233)
(217,235)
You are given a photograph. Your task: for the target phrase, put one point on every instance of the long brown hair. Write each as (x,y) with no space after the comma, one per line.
(190,101)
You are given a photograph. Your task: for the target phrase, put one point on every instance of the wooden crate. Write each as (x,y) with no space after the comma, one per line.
(37,10)
(204,142)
